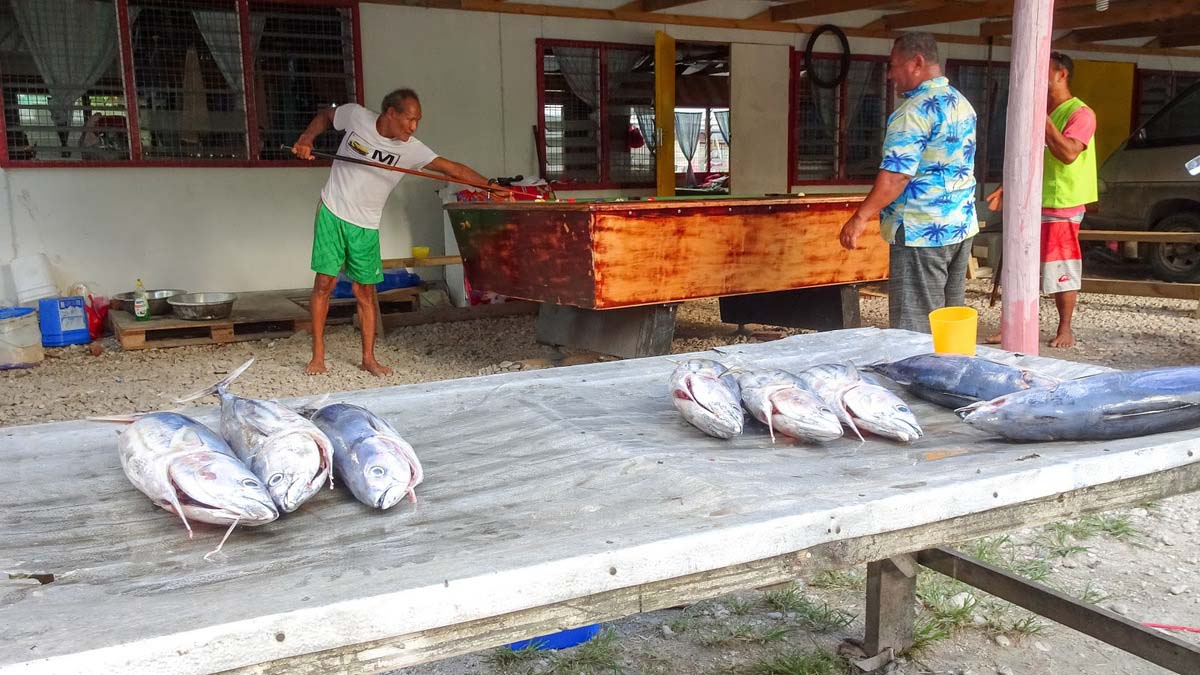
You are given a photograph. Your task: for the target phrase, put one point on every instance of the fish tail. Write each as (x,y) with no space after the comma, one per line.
(218,387)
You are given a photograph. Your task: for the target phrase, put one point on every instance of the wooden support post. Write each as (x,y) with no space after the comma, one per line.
(1159,648)
(891,596)
(1025,138)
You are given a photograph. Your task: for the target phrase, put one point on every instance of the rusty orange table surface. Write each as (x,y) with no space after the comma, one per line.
(608,254)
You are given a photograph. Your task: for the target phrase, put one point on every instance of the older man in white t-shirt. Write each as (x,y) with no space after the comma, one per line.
(346,233)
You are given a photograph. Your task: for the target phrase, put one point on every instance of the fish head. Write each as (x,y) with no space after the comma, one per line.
(709,403)
(293,467)
(807,412)
(882,412)
(217,488)
(377,472)
(1032,379)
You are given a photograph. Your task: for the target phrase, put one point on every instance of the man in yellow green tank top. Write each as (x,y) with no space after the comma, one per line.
(1068,185)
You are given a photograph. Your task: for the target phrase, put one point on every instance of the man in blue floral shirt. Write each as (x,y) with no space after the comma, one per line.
(924,193)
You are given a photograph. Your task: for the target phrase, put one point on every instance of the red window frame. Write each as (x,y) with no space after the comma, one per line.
(605,182)
(130,88)
(797,64)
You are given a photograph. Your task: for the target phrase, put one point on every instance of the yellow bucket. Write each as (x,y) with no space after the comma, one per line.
(420,252)
(953,330)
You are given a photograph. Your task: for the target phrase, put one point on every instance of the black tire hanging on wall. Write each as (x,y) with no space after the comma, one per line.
(843,64)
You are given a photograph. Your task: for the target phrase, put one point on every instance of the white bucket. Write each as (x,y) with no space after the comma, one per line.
(20,340)
(32,278)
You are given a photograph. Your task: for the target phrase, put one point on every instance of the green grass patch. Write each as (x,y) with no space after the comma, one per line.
(816,615)
(799,662)
(841,580)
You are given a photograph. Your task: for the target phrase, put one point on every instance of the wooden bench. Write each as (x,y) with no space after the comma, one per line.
(1145,289)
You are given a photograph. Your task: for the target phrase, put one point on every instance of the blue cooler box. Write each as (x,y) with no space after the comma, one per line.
(63,322)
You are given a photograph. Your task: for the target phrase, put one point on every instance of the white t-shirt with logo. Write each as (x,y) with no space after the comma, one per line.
(357,193)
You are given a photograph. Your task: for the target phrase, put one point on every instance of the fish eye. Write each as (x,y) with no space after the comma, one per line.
(376,471)
(249,482)
(274,480)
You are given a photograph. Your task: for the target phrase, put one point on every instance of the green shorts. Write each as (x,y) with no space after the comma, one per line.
(338,243)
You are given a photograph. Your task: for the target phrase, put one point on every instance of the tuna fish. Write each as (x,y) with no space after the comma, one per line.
(706,393)
(859,403)
(369,456)
(1099,407)
(779,400)
(287,452)
(188,470)
(953,380)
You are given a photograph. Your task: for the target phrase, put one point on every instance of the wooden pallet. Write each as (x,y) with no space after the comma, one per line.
(256,316)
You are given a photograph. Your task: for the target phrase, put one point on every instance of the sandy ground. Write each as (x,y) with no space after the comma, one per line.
(1149,571)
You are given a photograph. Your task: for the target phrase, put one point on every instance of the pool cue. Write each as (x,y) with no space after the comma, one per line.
(412,172)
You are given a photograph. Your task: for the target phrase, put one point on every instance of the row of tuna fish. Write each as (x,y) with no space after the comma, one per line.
(813,405)
(1004,400)
(267,459)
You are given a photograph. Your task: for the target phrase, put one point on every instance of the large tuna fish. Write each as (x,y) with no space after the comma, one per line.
(706,393)
(953,380)
(188,470)
(780,400)
(289,453)
(858,403)
(1095,408)
(369,456)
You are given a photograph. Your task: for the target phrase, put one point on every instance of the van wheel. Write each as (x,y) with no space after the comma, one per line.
(1176,262)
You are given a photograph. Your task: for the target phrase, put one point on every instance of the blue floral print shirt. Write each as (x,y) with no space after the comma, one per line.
(931,137)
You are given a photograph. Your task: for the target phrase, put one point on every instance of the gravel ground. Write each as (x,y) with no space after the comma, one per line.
(1150,575)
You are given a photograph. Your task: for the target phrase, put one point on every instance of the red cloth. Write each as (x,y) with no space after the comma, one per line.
(1060,241)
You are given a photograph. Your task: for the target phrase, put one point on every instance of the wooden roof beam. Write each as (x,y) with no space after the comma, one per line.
(1179,40)
(1086,16)
(948,14)
(1134,30)
(652,5)
(807,8)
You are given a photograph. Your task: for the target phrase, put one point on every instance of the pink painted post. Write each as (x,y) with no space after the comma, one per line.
(1025,138)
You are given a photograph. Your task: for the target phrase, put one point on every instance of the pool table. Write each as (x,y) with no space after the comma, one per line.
(611,272)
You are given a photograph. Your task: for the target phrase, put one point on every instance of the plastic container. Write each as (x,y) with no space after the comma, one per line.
(32,278)
(560,640)
(20,339)
(392,279)
(63,322)
(953,330)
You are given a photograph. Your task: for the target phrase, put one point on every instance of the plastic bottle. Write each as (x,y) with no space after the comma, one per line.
(141,302)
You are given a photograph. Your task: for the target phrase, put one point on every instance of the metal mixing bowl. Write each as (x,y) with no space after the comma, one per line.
(202,306)
(158,301)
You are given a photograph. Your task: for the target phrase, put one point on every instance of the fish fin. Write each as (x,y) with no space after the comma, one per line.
(218,387)
(1137,408)
(968,409)
(309,409)
(119,419)
(227,533)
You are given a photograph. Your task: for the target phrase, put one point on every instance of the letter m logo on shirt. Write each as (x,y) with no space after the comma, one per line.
(388,158)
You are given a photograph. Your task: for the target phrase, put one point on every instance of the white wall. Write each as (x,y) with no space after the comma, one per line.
(250,229)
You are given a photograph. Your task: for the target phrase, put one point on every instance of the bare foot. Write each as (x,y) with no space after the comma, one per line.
(1065,338)
(992,339)
(375,368)
(316,367)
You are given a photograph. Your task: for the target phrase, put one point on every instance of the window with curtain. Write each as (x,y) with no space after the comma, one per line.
(970,78)
(187,63)
(67,88)
(303,61)
(838,131)
(711,154)
(1154,88)
(597,113)
(60,78)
